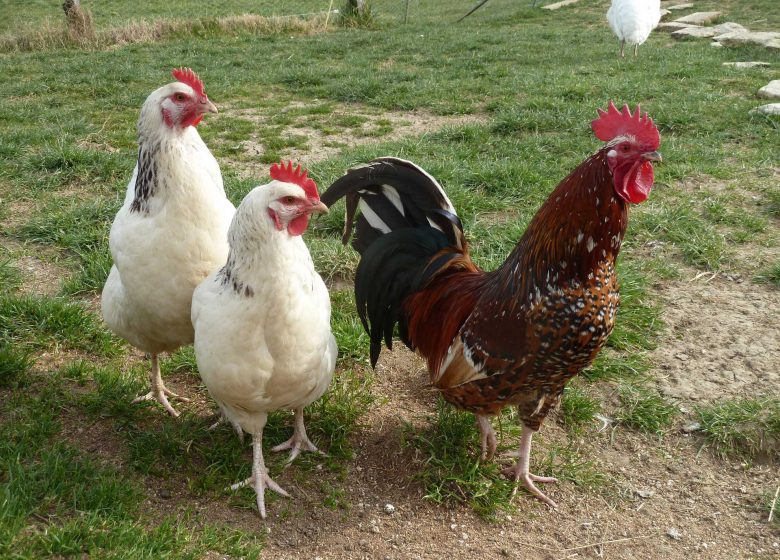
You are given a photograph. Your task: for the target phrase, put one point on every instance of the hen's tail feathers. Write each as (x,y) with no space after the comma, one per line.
(392,194)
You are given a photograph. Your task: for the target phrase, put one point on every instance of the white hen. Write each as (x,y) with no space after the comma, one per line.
(262,323)
(171,231)
(633,20)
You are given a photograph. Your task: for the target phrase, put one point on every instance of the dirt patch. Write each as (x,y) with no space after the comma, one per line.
(326,134)
(721,339)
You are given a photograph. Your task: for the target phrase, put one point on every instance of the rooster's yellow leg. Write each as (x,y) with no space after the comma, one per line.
(520,471)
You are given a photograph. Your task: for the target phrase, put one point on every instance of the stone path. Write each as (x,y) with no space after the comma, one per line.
(729,34)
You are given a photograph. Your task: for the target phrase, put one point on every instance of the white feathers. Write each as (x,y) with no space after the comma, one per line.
(269,347)
(165,247)
(633,20)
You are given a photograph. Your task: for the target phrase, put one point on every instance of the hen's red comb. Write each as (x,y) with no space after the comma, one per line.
(187,76)
(613,123)
(296,176)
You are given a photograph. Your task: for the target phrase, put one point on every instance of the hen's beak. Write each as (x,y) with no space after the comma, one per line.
(208,107)
(652,156)
(317,207)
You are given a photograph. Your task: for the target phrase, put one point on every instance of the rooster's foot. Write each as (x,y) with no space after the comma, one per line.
(487,438)
(299,440)
(528,480)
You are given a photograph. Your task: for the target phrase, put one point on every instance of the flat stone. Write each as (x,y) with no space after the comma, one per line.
(728,27)
(746,64)
(771,109)
(740,38)
(675,7)
(671,26)
(559,5)
(693,33)
(770,91)
(699,18)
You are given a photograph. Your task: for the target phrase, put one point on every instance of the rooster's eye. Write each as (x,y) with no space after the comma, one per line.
(624,147)
(179,97)
(289,199)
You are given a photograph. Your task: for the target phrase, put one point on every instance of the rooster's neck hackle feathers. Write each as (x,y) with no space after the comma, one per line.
(581,224)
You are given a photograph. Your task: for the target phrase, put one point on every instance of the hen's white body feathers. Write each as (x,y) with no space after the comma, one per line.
(633,20)
(262,326)
(164,250)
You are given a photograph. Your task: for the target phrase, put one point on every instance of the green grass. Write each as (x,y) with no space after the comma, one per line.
(771,275)
(15,363)
(643,409)
(748,427)
(449,452)
(578,407)
(38,321)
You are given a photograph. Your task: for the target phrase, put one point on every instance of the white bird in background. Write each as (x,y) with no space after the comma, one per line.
(633,20)
(262,322)
(171,231)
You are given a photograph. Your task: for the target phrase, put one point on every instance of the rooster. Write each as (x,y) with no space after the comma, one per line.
(171,231)
(516,335)
(633,20)
(262,322)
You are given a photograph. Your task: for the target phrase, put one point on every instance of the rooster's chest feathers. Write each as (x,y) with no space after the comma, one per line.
(571,325)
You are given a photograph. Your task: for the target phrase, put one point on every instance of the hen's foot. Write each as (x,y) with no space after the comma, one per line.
(260,484)
(161,395)
(222,419)
(299,440)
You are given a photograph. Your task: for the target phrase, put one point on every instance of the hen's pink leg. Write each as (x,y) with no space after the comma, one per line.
(259,479)
(299,440)
(160,392)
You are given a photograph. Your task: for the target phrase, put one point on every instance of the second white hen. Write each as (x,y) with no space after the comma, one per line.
(262,322)
(633,20)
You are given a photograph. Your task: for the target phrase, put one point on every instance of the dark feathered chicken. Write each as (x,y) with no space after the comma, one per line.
(516,335)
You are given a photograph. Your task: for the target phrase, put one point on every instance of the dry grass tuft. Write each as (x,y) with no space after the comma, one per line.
(79,21)
(80,33)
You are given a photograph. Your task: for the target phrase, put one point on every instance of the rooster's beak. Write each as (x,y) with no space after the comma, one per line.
(652,156)
(209,107)
(318,208)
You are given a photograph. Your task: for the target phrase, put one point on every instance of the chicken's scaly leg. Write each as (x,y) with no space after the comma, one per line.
(636,48)
(224,418)
(160,392)
(520,471)
(622,48)
(487,437)
(259,479)
(299,440)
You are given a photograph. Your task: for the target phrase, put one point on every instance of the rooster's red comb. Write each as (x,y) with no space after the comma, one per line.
(295,175)
(613,123)
(187,76)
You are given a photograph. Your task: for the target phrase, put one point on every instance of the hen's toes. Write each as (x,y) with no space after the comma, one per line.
(160,398)
(264,482)
(297,444)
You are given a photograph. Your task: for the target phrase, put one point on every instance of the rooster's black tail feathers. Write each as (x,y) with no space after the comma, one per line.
(405,219)
(392,194)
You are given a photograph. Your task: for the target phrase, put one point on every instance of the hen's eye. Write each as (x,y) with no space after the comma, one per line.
(289,199)
(624,147)
(179,97)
